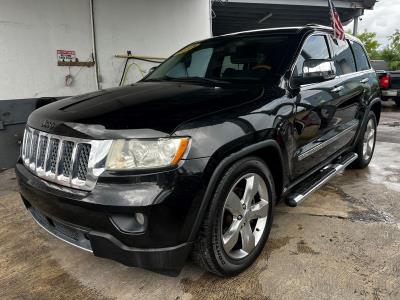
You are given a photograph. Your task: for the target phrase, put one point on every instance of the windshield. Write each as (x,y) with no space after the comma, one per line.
(243,59)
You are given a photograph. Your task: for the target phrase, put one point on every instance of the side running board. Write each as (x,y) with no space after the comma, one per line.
(318,179)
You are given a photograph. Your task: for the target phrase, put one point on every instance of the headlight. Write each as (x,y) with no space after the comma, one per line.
(145,153)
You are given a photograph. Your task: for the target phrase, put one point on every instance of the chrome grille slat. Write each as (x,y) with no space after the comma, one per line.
(28,147)
(72,173)
(33,150)
(58,157)
(24,143)
(42,152)
(38,149)
(68,161)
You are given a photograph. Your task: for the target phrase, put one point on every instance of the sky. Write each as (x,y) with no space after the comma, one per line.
(384,19)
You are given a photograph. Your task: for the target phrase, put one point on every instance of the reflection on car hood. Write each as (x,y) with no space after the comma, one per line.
(158,106)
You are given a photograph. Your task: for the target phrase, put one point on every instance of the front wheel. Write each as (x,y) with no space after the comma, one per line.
(366,145)
(238,220)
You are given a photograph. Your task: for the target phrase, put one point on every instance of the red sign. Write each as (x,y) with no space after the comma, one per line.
(66,55)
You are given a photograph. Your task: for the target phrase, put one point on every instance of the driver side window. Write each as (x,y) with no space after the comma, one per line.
(315,47)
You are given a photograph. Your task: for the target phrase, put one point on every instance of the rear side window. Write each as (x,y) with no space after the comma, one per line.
(315,47)
(344,59)
(361,57)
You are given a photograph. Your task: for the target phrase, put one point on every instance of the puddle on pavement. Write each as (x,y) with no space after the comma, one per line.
(384,167)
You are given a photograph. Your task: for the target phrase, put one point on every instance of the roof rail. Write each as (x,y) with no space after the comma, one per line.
(318,25)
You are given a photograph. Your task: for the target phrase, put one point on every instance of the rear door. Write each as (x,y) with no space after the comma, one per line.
(365,76)
(351,90)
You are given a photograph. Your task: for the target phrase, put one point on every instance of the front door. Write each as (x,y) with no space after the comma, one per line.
(315,109)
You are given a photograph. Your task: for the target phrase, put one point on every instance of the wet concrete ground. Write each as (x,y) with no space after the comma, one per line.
(342,243)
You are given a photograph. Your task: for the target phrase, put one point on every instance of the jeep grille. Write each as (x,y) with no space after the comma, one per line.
(68,161)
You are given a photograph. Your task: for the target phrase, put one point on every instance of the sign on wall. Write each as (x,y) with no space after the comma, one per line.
(66,55)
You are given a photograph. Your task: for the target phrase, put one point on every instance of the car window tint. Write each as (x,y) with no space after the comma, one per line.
(229,66)
(197,66)
(361,57)
(234,59)
(344,59)
(315,47)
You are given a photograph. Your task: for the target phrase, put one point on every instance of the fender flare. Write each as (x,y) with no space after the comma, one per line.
(364,120)
(221,167)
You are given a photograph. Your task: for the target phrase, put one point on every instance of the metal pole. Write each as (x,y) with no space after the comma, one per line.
(355,26)
(94,52)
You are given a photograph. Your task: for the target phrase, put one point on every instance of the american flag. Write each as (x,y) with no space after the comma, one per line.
(336,23)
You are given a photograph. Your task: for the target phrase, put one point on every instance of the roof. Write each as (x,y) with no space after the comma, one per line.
(284,30)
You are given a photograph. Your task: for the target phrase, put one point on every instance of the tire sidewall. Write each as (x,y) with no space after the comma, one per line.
(397,101)
(228,265)
(365,162)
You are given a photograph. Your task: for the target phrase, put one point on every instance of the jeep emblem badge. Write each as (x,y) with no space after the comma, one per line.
(48,124)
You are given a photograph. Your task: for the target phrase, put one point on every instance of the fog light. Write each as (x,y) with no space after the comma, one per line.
(140,218)
(130,223)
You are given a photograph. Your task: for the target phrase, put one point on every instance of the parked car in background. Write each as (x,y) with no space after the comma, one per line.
(389,81)
(192,159)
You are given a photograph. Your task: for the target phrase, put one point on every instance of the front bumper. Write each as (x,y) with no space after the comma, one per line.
(104,221)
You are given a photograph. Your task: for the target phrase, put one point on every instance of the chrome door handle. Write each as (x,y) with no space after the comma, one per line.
(365,80)
(337,89)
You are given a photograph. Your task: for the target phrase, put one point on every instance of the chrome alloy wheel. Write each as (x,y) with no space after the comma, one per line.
(244,216)
(369,140)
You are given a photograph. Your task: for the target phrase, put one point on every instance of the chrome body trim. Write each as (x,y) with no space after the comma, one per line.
(31,157)
(327,142)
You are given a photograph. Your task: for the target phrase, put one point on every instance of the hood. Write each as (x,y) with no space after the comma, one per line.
(150,108)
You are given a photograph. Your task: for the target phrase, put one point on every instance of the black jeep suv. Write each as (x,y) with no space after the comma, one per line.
(192,159)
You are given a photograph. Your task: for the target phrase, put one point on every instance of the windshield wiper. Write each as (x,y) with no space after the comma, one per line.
(202,79)
(192,79)
(197,79)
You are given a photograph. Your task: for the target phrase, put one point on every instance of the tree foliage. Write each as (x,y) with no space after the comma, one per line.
(391,53)
(371,44)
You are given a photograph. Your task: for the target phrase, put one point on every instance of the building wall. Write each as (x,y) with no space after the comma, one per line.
(32,30)
(156,29)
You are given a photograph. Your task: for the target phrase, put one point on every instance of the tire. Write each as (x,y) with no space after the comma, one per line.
(397,100)
(210,251)
(366,145)
(384,98)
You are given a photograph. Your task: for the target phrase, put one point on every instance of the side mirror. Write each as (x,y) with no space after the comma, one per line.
(151,70)
(316,70)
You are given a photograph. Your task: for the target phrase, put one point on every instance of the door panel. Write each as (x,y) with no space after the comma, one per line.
(326,113)
(316,116)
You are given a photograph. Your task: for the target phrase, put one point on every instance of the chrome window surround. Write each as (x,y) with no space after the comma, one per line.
(327,35)
(33,142)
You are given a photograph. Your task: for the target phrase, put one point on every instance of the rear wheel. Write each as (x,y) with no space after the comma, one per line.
(238,220)
(366,145)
